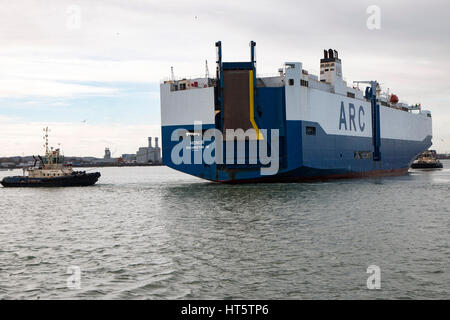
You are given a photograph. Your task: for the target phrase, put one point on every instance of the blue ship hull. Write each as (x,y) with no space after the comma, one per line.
(308,158)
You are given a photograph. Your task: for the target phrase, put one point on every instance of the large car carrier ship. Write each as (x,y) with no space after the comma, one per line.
(294,126)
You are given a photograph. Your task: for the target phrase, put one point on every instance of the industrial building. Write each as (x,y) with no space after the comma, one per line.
(149,154)
(129,157)
(107,154)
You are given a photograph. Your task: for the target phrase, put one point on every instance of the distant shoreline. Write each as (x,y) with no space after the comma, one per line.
(118,165)
(97,165)
(76,162)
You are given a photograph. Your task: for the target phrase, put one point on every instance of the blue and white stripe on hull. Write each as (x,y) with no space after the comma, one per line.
(318,157)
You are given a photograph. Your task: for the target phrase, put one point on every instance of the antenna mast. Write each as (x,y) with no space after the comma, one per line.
(46,139)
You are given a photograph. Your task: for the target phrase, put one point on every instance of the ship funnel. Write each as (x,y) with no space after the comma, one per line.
(149,142)
(330,53)
(330,67)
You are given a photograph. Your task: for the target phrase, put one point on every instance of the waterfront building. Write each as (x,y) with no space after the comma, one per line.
(149,154)
(107,154)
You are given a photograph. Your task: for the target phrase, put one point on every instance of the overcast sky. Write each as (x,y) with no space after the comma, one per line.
(91,69)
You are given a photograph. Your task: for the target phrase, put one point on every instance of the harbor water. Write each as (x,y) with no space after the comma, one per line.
(154,233)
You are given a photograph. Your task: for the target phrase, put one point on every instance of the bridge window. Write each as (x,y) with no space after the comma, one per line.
(291,82)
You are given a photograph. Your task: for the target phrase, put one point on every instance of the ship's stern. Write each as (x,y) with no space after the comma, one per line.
(187,107)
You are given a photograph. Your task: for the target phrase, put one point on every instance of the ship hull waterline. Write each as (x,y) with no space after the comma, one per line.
(311,162)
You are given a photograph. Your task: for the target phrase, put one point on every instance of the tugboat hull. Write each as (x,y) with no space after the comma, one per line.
(427,165)
(76,180)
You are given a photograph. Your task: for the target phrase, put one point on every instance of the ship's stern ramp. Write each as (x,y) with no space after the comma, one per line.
(236,97)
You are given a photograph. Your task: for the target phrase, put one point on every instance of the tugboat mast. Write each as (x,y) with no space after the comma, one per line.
(46,139)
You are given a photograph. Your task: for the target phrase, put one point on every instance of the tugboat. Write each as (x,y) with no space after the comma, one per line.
(427,160)
(50,171)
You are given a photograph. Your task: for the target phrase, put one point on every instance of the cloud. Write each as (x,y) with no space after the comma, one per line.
(120,41)
(87,70)
(13,88)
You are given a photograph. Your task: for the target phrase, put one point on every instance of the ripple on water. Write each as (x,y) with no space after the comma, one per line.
(153,233)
